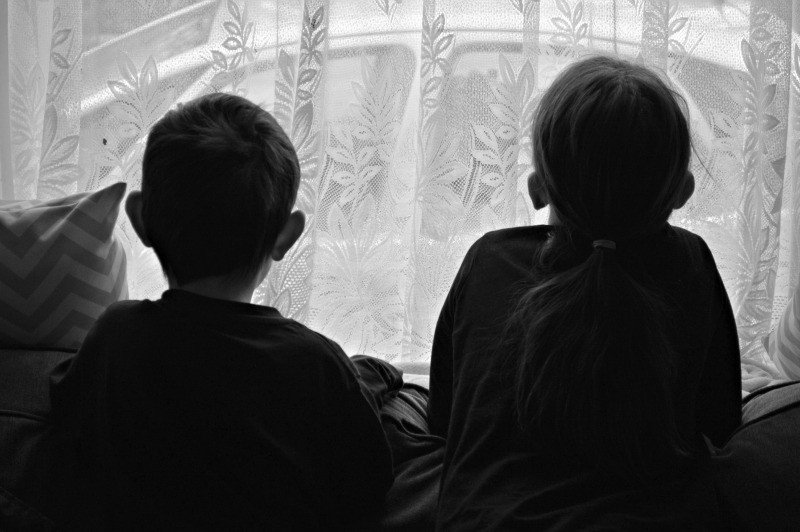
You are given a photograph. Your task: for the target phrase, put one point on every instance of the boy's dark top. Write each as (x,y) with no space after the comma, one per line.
(200,413)
(496,477)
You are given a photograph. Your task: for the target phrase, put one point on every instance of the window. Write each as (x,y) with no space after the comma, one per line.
(411,119)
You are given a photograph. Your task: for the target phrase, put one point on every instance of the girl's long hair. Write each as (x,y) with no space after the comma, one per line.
(611,150)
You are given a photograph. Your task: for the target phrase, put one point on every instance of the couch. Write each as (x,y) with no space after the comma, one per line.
(27,446)
(32,468)
(755,476)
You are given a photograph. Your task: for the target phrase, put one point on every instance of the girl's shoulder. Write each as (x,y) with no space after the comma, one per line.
(513,244)
(684,255)
(689,243)
(506,253)
(525,237)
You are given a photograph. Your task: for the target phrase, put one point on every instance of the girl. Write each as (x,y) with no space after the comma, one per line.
(576,366)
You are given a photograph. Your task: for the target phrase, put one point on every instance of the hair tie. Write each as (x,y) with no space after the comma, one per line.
(605,244)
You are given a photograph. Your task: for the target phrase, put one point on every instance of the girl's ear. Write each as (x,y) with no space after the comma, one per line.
(133,207)
(536,191)
(686,191)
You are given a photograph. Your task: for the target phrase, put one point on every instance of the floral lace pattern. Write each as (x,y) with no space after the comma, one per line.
(411,120)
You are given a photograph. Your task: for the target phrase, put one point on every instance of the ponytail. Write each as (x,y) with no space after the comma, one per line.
(611,148)
(595,372)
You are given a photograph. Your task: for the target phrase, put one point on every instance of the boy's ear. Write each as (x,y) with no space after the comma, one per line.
(536,191)
(686,191)
(289,234)
(133,207)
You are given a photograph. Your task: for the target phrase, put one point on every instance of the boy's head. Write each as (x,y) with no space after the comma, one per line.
(219,179)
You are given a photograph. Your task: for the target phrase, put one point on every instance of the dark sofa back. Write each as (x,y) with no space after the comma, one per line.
(28,450)
(757,473)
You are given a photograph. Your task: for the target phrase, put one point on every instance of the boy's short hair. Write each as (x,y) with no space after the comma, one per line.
(219,179)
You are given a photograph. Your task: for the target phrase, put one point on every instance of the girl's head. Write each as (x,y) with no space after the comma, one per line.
(611,149)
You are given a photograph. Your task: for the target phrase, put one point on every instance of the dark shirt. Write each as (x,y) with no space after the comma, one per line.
(497,476)
(198,413)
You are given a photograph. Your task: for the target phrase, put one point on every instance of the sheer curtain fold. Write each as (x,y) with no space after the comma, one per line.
(411,119)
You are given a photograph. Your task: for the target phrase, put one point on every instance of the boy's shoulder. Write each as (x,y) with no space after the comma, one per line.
(123,313)
(313,355)
(316,347)
(126,313)
(124,323)
(135,321)
(134,314)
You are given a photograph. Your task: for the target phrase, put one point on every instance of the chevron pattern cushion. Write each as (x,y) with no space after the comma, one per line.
(783,343)
(60,267)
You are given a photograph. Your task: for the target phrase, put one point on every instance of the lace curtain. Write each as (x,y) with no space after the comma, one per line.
(411,119)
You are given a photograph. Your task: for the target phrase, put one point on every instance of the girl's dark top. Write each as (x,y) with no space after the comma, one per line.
(498,477)
(196,413)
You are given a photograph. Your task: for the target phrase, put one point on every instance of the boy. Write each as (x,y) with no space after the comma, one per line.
(201,410)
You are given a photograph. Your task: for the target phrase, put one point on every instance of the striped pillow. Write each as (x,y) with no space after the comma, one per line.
(60,267)
(783,343)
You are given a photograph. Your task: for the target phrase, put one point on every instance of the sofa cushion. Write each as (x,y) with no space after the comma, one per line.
(769,400)
(16,515)
(783,343)
(24,384)
(60,267)
(756,473)
(29,450)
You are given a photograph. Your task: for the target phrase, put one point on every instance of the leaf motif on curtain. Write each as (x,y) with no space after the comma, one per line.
(56,171)
(435,229)
(236,50)
(356,279)
(571,28)
(295,89)
(662,24)
(436,45)
(523,6)
(360,151)
(508,156)
(26,101)
(388,7)
(140,100)
(435,193)
(58,168)
(294,110)
(357,287)
(355,166)
(439,162)
(377,108)
(61,49)
(494,159)
(762,179)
